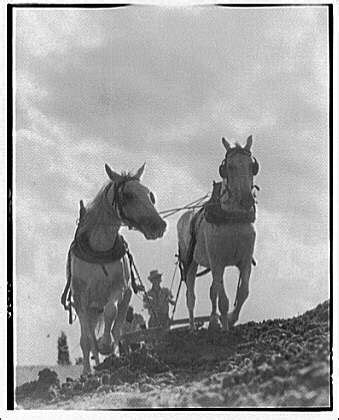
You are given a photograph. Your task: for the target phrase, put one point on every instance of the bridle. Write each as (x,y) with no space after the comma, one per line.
(223,168)
(232,152)
(117,203)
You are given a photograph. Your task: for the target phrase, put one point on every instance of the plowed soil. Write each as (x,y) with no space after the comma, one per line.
(274,363)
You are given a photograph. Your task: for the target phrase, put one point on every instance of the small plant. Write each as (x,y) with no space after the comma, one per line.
(63,352)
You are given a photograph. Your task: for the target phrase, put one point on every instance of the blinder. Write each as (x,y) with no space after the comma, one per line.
(255,166)
(223,166)
(222,169)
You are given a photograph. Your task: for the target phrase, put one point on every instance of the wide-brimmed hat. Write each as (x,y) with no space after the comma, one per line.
(154,275)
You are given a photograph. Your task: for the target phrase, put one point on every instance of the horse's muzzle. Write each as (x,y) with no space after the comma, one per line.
(154,229)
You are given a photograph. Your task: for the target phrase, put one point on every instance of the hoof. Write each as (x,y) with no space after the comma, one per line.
(105,347)
(214,323)
(231,319)
(224,323)
(106,350)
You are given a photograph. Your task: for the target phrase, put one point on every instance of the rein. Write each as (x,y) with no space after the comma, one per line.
(190,206)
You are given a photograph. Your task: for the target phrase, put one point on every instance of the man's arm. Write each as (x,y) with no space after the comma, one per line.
(169,296)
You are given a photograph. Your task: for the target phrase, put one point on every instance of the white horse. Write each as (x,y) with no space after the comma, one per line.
(104,288)
(220,245)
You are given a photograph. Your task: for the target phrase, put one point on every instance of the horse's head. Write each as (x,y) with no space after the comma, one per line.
(134,203)
(238,169)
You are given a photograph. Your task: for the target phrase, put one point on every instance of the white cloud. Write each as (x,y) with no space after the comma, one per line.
(163,87)
(56,31)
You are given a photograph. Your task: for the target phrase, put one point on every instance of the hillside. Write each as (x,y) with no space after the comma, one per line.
(274,363)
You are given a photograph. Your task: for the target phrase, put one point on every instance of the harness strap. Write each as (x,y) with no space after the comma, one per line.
(67,288)
(67,293)
(182,278)
(238,288)
(135,287)
(68,282)
(64,294)
(70,316)
(104,270)
(203,272)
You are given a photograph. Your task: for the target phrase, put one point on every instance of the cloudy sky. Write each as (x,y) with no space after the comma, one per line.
(161,85)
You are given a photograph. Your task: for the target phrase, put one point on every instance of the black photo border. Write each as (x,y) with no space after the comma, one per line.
(10,171)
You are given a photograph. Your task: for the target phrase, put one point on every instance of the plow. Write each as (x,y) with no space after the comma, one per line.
(156,333)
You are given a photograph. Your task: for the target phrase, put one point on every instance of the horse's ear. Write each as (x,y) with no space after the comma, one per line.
(249,143)
(140,171)
(226,143)
(113,176)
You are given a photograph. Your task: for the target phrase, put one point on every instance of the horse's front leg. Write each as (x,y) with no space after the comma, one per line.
(242,294)
(105,342)
(84,344)
(223,305)
(217,291)
(93,318)
(190,295)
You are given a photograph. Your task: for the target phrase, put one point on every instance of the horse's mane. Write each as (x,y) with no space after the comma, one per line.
(94,209)
(128,176)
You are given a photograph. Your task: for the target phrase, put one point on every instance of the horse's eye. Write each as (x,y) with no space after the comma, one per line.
(151,196)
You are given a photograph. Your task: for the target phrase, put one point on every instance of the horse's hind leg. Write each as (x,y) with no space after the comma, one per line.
(190,295)
(242,294)
(120,319)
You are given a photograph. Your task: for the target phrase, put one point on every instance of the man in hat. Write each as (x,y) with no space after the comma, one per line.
(157,300)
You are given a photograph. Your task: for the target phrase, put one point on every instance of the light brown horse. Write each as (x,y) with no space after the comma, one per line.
(102,291)
(220,245)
